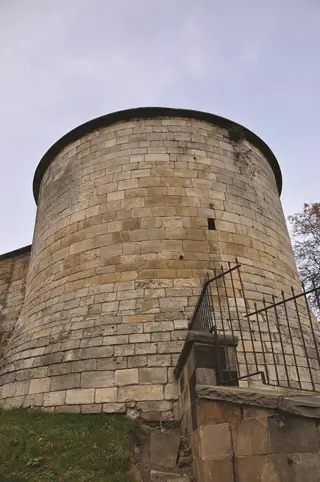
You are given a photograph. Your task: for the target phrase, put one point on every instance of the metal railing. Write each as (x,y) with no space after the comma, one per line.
(278,341)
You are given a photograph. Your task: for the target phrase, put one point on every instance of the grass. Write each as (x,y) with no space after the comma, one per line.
(49,447)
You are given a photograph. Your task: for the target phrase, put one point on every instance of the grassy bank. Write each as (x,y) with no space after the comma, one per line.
(49,447)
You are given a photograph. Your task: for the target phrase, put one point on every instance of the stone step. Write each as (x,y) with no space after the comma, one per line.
(164,449)
(159,476)
(165,456)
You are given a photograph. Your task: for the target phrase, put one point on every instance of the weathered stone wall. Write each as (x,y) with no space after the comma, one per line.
(121,242)
(246,443)
(13,272)
(243,434)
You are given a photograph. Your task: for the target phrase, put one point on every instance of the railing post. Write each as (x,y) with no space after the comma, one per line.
(203,361)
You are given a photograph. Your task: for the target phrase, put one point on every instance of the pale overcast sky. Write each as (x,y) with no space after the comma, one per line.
(64,62)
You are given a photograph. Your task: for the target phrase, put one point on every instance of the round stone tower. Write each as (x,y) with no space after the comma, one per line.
(134,208)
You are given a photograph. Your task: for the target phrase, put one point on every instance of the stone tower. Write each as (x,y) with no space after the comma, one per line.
(134,208)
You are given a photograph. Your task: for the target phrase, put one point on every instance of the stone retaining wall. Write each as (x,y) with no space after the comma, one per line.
(244,435)
(247,441)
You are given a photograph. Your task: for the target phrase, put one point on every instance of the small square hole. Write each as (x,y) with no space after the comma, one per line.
(211,224)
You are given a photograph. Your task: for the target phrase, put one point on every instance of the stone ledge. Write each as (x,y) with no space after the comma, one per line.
(285,400)
(16,253)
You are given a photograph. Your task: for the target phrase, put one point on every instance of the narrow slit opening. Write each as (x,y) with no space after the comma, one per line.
(211,224)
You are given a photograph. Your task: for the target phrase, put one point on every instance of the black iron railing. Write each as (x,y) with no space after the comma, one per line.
(203,315)
(278,340)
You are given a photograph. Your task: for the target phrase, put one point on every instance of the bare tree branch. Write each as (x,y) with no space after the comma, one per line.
(306,245)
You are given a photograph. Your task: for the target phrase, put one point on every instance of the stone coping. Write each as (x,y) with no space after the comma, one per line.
(16,252)
(291,401)
(145,113)
(204,339)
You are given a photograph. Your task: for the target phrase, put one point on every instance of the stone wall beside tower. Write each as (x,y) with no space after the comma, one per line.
(121,243)
(13,273)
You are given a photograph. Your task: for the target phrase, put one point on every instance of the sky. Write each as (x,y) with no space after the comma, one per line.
(64,62)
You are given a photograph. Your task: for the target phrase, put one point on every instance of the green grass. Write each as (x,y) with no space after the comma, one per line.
(49,447)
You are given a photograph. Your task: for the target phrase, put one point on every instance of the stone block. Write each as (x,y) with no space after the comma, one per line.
(139,338)
(159,360)
(59,369)
(22,388)
(97,352)
(35,400)
(115,340)
(215,441)
(63,382)
(206,376)
(68,409)
(137,318)
(219,470)
(54,398)
(152,375)
(97,379)
(251,437)
(264,468)
(127,377)
(15,402)
(8,390)
(171,391)
(171,375)
(123,350)
(106,395)
(128,295)
(161,336)
(128,184)
(84,365)
(124,285)
(170,347)
(137,361)
(114,363)
(164,449)
(130,328)
(140,393)
(39,385)
(154,406)
(114,408)
(158,326)
(95,341)
(129,276)
(209,411)
(292,434)
(73,354)
(110,307)
(256,412)
(154,293)
(127,305)
(181,324)
(167,475)
(80,396)
(147,305)
(91,408)
(306,467)
(145,348)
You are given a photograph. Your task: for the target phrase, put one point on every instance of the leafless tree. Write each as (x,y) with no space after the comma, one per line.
(306,245)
